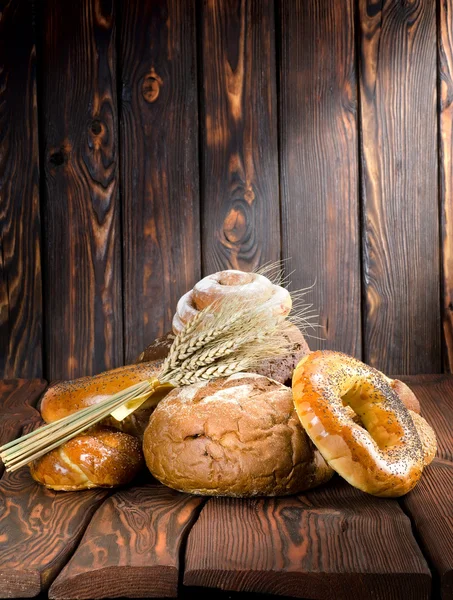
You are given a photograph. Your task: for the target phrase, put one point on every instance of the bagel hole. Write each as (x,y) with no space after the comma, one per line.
(371,415)
(352,414)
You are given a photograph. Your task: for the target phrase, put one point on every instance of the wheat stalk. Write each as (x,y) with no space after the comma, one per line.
(212,323)
(221,340)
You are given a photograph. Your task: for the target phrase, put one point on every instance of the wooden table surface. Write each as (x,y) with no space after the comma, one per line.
(146,540)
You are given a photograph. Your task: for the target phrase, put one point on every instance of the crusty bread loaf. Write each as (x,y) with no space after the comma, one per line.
(236,436)
(66,397)
(100,457)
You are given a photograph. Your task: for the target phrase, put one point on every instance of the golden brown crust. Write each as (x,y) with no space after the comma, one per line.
(424,430)
(406,395)
(236,436)
(427,437)
(100,457)
(386,458)
(66,397)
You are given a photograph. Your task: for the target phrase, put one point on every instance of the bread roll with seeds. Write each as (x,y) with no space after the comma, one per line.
(66,397)
(383,456)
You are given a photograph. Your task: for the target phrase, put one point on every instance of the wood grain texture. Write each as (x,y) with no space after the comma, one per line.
(435,393)
(399,185)
(240,195)
(39,531)
(331,543)
(131,547)
(20,229)
(159,167)
(319,164)
(430,506)
(18,398)
(80,207)
(445,110)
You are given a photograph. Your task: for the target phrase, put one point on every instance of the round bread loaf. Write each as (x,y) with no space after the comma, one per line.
(236,436)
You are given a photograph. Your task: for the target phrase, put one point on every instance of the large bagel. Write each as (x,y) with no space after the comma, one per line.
(385,456)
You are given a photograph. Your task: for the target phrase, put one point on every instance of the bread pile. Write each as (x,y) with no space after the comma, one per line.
(243,435)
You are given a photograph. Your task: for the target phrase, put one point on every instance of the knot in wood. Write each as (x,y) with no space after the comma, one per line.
(151,86)
(96,126)
(57,158)
(235,225)
(249,195)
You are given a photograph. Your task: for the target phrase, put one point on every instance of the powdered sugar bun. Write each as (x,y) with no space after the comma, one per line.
(185,310)
(251,287)
(228,283)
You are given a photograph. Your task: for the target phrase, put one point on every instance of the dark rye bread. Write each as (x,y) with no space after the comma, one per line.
(236,436)
(281,368)
(158,349)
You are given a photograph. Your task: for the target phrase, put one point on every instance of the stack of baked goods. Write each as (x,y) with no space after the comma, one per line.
(285,427)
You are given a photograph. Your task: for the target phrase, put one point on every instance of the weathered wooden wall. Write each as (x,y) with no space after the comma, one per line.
(146,143)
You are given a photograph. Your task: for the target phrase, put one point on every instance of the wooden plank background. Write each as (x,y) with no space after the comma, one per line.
(80,199)
(146,143)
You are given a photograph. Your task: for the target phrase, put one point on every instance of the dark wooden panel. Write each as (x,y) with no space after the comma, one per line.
(159,164)
(18,398)
(240,195)
(445,107)
(430,506)
(319,163)
(80,205)
(40,530)
(332,543)
(131,547)
(399,168)
(435,393)
(20,254)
